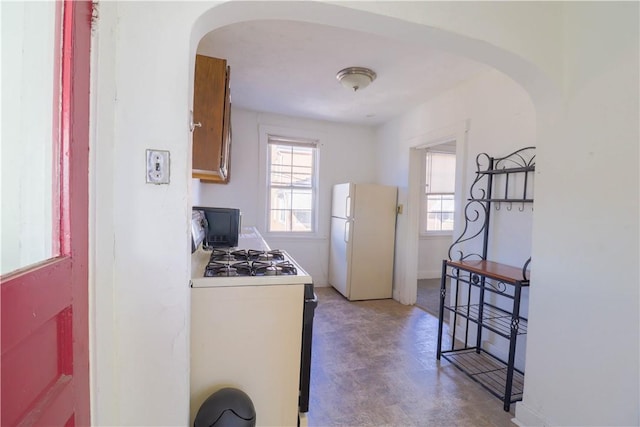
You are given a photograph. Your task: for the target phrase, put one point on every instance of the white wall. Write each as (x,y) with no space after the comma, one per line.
(139,232)
(583,368)
(431,251)
(347,153)
(582,360)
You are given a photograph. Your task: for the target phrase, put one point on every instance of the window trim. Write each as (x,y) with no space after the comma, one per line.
(295,137)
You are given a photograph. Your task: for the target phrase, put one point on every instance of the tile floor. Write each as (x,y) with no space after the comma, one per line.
(428,297)
(374,364)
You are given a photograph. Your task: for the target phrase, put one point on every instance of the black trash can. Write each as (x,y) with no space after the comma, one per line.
(227,407)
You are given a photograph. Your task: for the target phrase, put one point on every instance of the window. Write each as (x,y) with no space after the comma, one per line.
(291,182)
(439,187)
(31,119)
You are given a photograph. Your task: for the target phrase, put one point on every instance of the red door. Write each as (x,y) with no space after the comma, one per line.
(45,341)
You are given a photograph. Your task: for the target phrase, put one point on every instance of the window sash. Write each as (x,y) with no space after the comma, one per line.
(439,212)
(440,172)
(292,142)
(291,181)
(439,192)
(33,154)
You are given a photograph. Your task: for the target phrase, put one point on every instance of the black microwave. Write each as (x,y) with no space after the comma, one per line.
(221,226)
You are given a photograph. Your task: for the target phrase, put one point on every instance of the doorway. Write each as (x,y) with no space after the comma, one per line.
(435,207)
(436,220)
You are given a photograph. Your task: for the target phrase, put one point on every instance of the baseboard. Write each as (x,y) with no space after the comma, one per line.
(429,274)
(527,417)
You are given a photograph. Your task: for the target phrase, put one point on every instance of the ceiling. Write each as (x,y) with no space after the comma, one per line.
(289,67)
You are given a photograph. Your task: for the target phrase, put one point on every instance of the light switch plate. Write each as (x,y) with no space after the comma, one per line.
(157,167)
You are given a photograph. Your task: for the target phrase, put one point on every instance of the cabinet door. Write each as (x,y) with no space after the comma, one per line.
(225,154)
(210,140)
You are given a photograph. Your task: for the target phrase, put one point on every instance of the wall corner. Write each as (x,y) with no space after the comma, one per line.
(527,417)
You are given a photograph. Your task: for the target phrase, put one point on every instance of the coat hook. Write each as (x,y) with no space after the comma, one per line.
(510,206)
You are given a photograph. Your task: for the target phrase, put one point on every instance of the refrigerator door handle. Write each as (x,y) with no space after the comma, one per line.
(347,227)
(347,207)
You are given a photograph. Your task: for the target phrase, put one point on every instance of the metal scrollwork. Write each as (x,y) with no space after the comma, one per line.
(475,212)
(478,207)
(478,189)
(521,158)
(525,269)
(498,286)
(515,324)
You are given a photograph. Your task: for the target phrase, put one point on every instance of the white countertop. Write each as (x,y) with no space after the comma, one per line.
(249,238)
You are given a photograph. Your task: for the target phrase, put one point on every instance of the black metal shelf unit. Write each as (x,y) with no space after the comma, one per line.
(472,278)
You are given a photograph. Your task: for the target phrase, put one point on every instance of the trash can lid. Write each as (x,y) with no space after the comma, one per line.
(226,399)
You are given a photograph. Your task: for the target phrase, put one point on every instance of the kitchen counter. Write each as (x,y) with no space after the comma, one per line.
(249,238)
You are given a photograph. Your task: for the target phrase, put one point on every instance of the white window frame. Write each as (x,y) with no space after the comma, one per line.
(424,195)
(295,137)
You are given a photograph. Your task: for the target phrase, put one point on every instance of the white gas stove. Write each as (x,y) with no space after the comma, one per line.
(252,263)
(254,308)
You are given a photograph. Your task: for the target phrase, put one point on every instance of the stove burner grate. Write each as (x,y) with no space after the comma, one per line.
(265,268)
(228,255)
(244,268)
(231,263)
(220,269)
(256,255)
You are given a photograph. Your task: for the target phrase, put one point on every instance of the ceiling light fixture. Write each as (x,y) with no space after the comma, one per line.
(355,78)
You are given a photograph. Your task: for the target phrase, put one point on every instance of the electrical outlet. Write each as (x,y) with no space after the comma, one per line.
(157,167)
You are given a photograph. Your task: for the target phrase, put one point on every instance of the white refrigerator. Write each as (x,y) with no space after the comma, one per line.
(363,226)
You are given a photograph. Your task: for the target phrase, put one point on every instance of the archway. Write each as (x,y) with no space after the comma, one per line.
(538,86)
(535,83)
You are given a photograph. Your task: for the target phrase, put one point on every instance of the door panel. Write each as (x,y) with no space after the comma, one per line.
(44,356)
(39,372)
(43,374)
(373,240)
(46,291)
(342,200)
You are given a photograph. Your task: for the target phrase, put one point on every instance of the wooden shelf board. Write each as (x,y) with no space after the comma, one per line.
(493,270)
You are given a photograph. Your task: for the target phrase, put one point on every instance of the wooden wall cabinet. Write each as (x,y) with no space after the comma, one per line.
(212,109)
